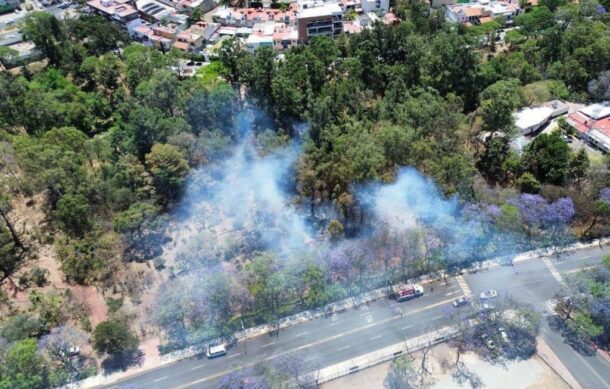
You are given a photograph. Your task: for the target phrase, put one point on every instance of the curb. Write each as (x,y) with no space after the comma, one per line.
(544,351)
(332,308)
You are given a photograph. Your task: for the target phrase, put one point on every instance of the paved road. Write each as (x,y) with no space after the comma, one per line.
(326,341)
(535,283)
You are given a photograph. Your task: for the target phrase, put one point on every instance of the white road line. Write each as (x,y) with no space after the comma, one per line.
(268,344)
(551,266)
(365,314)
(369,319)
(437,317)
(301,334)
(375,337)
(577,270)
(406,328)
(160,379)
(197,367)
(452,293)
(344,348)
(463,285)
(332,324)
(234,355)
(316,343)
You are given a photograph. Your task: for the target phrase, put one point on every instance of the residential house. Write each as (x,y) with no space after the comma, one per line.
(592,123)
(121,12)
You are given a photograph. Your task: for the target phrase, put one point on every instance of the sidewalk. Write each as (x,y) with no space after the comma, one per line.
(336,307)
(544,351)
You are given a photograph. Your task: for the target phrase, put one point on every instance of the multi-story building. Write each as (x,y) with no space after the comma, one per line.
(377,6)
(325,19)
(121,12)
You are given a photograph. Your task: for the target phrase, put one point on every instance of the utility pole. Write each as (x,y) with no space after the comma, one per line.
(245,337)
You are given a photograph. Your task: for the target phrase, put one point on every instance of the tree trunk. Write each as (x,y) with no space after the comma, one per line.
(12,231)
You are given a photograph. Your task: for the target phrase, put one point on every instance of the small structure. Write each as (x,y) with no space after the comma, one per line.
(120,12)
(255,42)
(531,119)
(592,124)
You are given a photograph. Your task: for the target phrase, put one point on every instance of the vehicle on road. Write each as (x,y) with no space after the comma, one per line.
(503,334)
(408,292)
(216,351)
(488,342)
(460,302)
(488,294)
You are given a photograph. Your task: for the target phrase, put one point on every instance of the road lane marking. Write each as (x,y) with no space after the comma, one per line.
(551,266)
(301,334)
(369,319)
(406,328)
(332,324)
(316,343)
(234,355)
(160,379)
(452,293)
(344,348)
(437,317)
(375,337)
(197,367)
(463,285)
(577,270)
(365,314)
(268,344)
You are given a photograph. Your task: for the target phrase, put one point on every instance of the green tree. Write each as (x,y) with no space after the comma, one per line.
(499,100)
(194,16)
(527,183)
(161,91)
(491,163)
(578,166)
(74,214)
(87,259)
(47,33)
(22,367)
(547,157)
(401,375)
(168,168)
(114,337)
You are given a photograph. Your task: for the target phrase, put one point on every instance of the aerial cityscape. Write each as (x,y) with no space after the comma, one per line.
(305,194)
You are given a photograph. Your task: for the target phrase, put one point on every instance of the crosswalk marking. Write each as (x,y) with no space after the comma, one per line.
(550,305)
(463,285)
(549,265)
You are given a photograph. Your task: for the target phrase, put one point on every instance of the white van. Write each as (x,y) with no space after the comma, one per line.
(216,351)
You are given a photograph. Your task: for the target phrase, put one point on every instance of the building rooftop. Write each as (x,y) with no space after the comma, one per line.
(327,9)
(117,7)
(530,117)
(597,111)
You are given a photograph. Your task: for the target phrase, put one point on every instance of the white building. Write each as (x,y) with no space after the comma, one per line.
(120,12)
(254,42)
(319,19)
(378,6)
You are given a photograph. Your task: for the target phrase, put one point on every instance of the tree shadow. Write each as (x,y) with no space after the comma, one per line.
(122,361)
(571,337)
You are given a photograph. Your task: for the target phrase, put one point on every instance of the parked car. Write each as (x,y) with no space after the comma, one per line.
(460,302)
(488,294)
(503,334)
(488,342)
(216,351)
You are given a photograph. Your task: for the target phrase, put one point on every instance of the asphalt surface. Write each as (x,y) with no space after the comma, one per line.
(326,341)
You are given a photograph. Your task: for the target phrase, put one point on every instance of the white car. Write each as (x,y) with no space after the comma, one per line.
(488,294)
(503,334)
(216,351)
